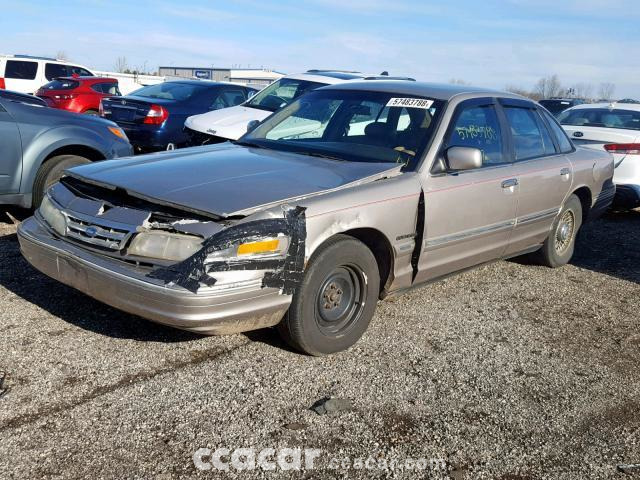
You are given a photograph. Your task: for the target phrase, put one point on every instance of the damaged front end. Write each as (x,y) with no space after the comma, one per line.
(229,274)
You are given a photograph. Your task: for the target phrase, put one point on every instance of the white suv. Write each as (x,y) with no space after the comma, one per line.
(26,74)
(231,123)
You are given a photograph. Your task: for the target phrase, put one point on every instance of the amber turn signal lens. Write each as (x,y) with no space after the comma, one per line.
(265,246)
(118,132)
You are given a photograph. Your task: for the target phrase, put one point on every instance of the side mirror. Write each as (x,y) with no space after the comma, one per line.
(463,158)
(252,125)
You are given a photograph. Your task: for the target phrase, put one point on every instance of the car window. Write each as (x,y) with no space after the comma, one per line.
(478,127)
(75,70)
(171,91)
(563,141)
(601,117)
(528,141)
(61,84)
(549,146)
(234,96)
(228,98)
(54,70)
(109,88)
(20,69)
(281,93)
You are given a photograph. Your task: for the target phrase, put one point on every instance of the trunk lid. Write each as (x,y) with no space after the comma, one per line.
(598,137)
(130,109)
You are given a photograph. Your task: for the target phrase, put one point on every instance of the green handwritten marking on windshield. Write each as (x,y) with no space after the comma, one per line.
(475,131)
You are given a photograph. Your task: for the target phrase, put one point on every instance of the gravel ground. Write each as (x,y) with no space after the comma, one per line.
(510,371)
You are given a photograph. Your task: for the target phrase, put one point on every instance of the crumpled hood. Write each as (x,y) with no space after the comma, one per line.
(228,123)
(228,179)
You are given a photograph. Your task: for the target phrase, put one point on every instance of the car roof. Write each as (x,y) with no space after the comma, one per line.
(328,77)
(609,105)
(92,79)
(21,97)
(207,83)
(438,91)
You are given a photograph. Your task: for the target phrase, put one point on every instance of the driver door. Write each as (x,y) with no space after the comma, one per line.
(470,214)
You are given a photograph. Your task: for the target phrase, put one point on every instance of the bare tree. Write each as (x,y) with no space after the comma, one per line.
(606,90)
(548,87)
(121,65)
(62,55)
(580,90)
(521,91)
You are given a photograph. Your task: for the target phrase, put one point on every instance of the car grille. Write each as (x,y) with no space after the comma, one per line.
(102,236)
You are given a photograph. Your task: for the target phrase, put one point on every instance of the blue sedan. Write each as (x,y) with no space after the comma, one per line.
(153,117)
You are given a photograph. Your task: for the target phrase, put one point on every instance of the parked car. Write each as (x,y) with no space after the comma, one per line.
(153,117)
(37,143)
(558,105)
(231,123)
(308,231)
(78,94)
(26,73)
(615,128)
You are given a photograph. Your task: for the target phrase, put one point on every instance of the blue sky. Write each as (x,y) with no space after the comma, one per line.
(491,43)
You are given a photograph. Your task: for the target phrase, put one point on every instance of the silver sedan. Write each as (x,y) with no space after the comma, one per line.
(350,194)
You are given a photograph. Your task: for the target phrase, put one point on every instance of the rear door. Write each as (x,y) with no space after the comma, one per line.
(10,153)
(544,172)
(469,215)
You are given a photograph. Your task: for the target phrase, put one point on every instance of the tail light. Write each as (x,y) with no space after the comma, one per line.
(101,109)
(66,96)
(2,85)
(623,148)
(156,115)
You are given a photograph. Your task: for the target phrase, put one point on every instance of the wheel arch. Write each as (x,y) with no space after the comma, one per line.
(586,200)
(378,243)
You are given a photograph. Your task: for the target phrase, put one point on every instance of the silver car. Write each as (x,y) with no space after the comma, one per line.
(350,194)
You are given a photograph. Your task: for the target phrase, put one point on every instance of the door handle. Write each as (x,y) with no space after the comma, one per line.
(512,182)
(565,171)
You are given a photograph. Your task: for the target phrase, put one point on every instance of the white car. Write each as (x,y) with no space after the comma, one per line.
(614,127)
(231,123)
(26,74)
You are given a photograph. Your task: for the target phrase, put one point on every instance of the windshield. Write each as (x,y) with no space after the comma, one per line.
(601,117)
(170,91)
(358,126)
(281,93)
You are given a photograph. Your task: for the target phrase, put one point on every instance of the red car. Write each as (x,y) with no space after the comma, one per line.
(78,94)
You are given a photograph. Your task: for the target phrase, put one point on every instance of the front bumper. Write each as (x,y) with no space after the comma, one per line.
(214,310)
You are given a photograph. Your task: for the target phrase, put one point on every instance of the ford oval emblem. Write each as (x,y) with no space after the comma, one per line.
(578,134)
(91,232)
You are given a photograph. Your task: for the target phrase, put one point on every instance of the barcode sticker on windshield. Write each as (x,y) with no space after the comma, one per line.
(410,103)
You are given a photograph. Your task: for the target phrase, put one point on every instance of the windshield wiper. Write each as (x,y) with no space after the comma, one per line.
(322,155)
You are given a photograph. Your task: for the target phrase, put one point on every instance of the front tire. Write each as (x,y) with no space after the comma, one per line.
(336,300)
(50,172)
(559,246)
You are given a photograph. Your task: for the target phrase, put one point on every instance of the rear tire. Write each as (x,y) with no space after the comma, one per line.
(335,302)
(559,246)
(50,172)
